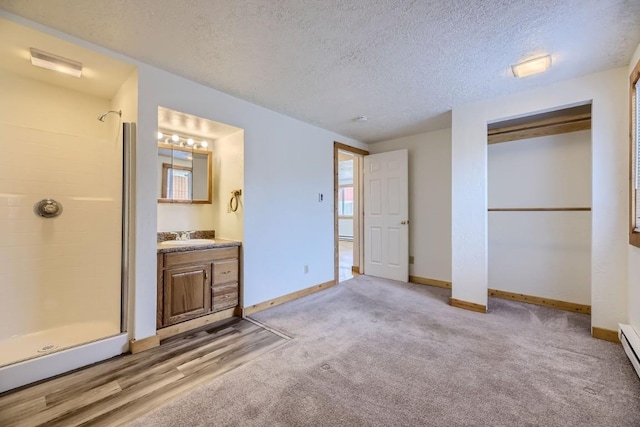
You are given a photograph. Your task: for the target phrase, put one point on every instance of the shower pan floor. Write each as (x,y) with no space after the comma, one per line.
(29,346)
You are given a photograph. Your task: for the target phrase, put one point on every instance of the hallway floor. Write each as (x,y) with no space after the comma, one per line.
(345,251)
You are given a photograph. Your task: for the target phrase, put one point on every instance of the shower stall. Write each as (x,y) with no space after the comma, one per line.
(62,219)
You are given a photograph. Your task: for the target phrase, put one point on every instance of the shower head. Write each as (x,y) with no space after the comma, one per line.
(103,115)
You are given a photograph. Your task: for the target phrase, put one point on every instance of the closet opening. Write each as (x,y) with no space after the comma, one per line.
(539,219)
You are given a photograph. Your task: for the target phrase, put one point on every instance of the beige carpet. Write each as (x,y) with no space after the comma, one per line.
(372,352)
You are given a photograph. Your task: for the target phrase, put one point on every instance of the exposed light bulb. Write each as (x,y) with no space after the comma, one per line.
(175,138)
(204,144)
(160,135)
(190,141)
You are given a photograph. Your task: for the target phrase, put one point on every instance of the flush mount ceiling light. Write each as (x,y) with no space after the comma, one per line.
(532,66)
(53,62)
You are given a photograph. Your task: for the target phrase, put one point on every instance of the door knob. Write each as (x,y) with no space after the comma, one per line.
(404,222)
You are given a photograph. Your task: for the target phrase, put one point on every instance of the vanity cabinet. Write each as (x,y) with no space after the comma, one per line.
(225,284)
(187,293)
(195,283)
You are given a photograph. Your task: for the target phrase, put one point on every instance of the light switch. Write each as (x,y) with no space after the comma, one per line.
(320,197)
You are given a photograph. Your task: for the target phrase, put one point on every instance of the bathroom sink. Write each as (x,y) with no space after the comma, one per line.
(189,242)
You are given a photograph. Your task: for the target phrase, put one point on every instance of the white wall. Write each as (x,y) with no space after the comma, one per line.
(429,201)
(544,254)
(228,172)
(276,183)
(634,254)
(62,270)
(608,92)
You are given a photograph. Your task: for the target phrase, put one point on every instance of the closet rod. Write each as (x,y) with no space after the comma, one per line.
(538,209)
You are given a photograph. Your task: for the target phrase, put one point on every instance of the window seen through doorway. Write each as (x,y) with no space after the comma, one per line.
(345,188)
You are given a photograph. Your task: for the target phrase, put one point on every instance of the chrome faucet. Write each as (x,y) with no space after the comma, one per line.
(185,235)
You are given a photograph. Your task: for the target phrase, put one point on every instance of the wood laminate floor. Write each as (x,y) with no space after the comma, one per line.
(120,389)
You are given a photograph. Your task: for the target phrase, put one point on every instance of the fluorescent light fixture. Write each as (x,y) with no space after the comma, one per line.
(53,62)
(532,66)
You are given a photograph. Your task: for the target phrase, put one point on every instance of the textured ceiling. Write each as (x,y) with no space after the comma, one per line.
(402,63)
(102,75)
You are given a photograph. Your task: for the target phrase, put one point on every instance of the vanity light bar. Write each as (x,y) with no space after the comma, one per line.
(171,138)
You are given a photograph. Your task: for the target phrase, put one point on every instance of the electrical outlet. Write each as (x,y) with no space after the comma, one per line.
(306,269)
(411,259)
(320,197)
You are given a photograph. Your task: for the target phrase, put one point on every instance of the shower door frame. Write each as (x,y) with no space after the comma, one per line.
(128,145)
(59,362)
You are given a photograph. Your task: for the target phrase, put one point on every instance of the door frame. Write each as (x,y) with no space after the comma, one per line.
(336,252)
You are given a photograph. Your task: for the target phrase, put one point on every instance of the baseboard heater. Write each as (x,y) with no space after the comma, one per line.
(631,344)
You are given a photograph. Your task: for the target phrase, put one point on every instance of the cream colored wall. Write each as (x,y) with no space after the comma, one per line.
(63,270)
(228,172)
(429,201)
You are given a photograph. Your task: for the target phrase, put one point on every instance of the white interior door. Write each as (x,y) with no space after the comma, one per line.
(386,215)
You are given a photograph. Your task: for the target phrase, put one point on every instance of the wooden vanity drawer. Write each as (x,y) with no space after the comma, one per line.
(198,256)
(225,271)
(225,296)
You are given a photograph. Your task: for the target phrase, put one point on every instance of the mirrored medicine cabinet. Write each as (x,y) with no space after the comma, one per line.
(185,174)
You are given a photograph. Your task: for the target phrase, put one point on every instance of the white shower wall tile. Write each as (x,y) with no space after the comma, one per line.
(65,270)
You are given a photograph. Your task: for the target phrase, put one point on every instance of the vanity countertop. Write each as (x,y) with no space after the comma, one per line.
(182,247)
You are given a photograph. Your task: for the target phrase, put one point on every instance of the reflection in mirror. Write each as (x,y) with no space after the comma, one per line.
(185,175)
